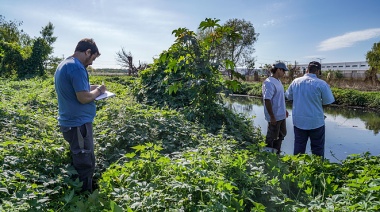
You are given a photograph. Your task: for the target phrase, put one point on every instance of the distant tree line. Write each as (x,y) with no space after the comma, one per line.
(22,56)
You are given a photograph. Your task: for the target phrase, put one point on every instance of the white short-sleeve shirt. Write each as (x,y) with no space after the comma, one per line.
(309,94)
(274,91)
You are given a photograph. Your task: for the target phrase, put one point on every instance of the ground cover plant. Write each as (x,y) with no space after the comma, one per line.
(166,151)
(155,159)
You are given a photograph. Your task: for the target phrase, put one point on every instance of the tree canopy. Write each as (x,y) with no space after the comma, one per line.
(186,78)
(373,56)
(373,59)
(237,46)
(21,55)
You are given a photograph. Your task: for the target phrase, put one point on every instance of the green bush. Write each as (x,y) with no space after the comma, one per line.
(350,97)
(183,78)
(343,97)
(156,159)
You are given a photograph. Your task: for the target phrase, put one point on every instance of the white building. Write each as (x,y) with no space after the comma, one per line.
(247,71)
(348,69)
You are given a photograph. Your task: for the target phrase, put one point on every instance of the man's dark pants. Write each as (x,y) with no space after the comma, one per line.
(82,150)
(317,140)
(276,134)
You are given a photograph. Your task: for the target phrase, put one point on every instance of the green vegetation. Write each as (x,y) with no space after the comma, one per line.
(343,97)
(237,46)
(373,58)
(155,159)
(185,79)
(167,143)
(332,75)
(22,56)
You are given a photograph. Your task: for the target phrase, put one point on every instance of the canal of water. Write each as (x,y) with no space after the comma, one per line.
(348,131)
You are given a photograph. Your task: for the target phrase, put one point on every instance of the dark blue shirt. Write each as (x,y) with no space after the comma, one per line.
(71,77)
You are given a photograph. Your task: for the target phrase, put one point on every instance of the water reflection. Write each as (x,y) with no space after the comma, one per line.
(348,131)
(371,120)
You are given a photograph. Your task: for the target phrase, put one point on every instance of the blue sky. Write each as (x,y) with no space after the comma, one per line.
(290,30)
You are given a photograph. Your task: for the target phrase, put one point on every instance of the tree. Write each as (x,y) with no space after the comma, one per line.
(39,60)
(373,59)
(237,46)
(187,75)
(10,58)
(9,31)
(14,47)
(35,63)
(47,35)
(293,71)
(267,68)
(186,78)
(125,59)
(24,56)
(50,62)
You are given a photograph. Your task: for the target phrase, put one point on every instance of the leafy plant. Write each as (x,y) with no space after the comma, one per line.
(155,159)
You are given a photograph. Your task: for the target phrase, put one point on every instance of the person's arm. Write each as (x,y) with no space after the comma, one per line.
(85,97)
(289,93)
(268,105)
(92,87)
(327,95)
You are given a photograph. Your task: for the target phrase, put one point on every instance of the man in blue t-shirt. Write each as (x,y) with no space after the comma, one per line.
(76,107)
(274,107)
(309,94)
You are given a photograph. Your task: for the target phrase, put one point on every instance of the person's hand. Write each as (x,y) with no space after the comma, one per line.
(273,120)
(287,114)
(102,88)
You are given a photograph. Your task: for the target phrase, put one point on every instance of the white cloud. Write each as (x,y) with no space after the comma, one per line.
(313,56)
(348,39)
(269,23)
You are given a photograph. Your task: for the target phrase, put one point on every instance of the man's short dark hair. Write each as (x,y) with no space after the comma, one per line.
(85,44)
(314,67)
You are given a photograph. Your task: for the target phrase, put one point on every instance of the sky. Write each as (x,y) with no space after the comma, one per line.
(289,30)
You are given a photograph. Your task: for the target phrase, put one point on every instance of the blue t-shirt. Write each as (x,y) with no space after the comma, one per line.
(309,94)
(71,77)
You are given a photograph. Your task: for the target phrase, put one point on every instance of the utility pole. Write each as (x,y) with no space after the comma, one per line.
(320,59)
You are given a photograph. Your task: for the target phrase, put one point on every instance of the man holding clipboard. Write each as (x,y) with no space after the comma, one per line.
(76,107)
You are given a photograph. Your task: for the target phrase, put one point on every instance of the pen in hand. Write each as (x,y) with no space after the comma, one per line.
(104,85)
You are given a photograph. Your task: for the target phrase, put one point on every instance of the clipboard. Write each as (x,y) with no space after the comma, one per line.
(105,95)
